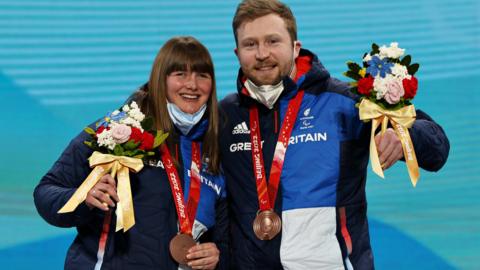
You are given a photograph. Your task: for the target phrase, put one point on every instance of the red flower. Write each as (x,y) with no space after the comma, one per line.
(410,87)
(136,135)
(365,85)
(100,129)
(147,141)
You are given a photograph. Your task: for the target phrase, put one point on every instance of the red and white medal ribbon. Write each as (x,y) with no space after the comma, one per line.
(267,195)
(186,213)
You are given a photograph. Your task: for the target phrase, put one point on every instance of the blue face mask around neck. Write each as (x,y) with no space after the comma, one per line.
(182,120)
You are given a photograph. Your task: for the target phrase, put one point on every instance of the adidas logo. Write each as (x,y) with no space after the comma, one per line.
(241,129)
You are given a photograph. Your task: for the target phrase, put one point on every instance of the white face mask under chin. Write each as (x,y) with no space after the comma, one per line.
(265,94)
(182,120)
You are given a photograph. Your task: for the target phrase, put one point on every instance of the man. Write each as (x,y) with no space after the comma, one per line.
(290,114)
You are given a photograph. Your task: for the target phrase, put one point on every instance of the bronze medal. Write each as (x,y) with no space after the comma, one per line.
(179,246)
(267,225)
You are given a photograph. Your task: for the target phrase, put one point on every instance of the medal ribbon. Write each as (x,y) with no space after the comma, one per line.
(186,215)
(267,201)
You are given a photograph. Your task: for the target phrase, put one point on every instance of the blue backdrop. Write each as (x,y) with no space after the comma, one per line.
(65,63)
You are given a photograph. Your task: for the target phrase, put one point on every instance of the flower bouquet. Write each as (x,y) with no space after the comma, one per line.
(121,141)
(386,84)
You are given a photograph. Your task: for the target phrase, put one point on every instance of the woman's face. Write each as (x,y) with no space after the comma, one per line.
(188,90)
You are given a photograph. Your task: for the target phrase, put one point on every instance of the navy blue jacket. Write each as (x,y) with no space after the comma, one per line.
(145,245)
(321,198)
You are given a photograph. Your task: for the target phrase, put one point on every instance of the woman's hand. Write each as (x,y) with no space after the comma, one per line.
(203,256)
(101,195)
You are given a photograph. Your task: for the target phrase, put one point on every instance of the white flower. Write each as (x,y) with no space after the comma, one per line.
(136,114)
(392,52)
(400,71)
(134,105)
(105,139)
(379,86)
(130,121)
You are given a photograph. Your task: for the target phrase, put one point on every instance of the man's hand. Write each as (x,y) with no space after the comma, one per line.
(203,256)
(100,196)
(389,148)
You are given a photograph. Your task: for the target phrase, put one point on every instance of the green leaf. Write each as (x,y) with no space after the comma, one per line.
(354,90)
(354,67)
(90,131)
(353,75)
(159,138)
(413,69)
(394,60)
(136,152)
(118,150)
(89,144)
(397,106)
(139,156)
(406,60)
(150,153)
(375,49)
(387,106)
(147,123)
(131,145)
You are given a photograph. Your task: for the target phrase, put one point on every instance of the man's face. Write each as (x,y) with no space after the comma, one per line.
(265,50)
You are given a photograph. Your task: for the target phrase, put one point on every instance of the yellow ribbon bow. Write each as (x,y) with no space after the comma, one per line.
(401,120)
(103,164)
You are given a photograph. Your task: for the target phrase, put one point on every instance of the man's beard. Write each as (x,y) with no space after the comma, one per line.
(259,80)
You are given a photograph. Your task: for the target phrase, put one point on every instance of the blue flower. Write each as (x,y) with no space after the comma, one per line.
(109,117)
(377,65)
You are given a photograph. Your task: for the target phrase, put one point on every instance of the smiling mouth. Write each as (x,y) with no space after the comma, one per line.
(265,68)
(190,97)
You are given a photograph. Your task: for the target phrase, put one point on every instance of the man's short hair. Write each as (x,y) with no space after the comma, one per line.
(249,10)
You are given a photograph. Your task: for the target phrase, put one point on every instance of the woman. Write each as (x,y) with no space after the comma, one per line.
(181,98)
